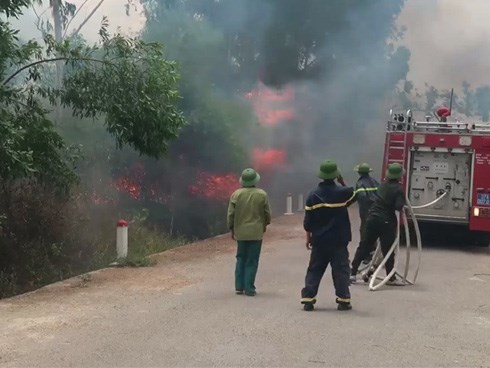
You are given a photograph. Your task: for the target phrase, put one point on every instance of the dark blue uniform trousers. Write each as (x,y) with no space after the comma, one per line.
(321,256)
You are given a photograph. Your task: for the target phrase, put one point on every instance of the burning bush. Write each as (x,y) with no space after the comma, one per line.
(214,187)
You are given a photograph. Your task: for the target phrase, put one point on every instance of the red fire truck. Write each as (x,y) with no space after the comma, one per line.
(446,162)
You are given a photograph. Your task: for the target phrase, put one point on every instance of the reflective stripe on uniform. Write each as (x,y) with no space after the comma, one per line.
(308,300)
(373,189)
(343,300)
(342,204)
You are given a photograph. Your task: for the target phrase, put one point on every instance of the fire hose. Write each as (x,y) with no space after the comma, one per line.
(406,212)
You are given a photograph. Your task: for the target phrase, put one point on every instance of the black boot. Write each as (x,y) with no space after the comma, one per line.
(343,306)
(308,307)
(368,274)
(308,304)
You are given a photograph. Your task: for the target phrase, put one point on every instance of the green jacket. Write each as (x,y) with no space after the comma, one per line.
(249,213)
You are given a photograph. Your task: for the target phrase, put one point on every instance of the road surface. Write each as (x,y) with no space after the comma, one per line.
(183,312)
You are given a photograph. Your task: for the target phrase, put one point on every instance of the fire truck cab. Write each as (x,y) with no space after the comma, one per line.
(447,162)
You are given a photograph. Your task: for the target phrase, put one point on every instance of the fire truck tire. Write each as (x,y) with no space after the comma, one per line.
(480,239)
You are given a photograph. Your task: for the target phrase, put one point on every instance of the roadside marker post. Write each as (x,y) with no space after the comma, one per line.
(289,205)
(122,239)
(301,203)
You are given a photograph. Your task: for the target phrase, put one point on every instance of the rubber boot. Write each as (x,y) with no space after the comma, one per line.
(343,306)
(308,304)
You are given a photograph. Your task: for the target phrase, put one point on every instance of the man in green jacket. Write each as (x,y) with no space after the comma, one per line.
(248,216)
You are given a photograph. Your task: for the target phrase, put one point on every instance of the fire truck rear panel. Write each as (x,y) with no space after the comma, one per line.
(438,162)
(433,172)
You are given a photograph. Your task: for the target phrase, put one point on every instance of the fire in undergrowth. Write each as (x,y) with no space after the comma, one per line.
(268,159)
(214,186)
(128,185)
(272,106)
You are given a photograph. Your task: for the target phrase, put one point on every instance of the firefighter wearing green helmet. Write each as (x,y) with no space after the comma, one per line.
(328,233)
(366,188)
(381,221)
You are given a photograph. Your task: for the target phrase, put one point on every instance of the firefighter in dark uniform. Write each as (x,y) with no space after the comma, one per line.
(328,233)
(366,188)
(381,221)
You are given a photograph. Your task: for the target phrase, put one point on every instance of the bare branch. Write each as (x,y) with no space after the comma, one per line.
(74,16)
(37,23)
(41,14)
(43,61)
(88,18)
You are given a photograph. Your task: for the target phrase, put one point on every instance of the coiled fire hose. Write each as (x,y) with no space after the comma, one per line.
(407,211)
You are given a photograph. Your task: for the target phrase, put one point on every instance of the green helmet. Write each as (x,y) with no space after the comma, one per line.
(328,170)
(249,178)
(363,168)
(395,171)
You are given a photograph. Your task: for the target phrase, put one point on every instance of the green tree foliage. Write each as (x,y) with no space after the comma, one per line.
(130,89)
(127,82)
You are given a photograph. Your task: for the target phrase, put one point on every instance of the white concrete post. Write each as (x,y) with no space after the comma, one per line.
(289,204)
(301,203)
(122,239)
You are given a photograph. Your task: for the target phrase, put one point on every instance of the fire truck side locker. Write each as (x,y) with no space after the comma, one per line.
(480,210)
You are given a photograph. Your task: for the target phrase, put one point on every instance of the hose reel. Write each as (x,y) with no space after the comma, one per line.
(377,262)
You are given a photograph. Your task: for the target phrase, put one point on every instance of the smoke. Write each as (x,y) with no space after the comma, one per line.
(293,82)
(341,63)
(449,41)
(319,77)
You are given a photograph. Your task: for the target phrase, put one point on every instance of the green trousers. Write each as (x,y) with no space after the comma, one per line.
(247,262)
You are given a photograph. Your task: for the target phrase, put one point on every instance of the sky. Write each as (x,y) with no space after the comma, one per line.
(113,9)
(449,40)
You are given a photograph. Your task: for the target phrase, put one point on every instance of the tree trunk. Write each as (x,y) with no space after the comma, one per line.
(58,36)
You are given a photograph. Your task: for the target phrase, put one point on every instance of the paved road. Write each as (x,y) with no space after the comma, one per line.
(183,312)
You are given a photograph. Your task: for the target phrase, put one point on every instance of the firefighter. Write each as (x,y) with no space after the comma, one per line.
(381,221)
(248,216)
(366,188)
(328,233)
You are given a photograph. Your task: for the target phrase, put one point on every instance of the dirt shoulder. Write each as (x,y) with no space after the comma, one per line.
(165,274)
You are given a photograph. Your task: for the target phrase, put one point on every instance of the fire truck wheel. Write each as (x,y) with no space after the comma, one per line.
(480,239)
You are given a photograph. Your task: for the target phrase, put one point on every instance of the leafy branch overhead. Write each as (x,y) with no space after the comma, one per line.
(127,83)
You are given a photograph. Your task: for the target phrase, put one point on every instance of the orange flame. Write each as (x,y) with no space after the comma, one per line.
(211,186)
(128,185)
(268,159)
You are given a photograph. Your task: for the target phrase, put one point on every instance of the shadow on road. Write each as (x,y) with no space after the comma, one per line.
(451,246)
(452,238)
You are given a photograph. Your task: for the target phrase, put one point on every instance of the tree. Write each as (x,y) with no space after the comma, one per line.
(468,99)
(63,13)
(289,40)
(431,96)
(209,146)
(127,83)
(482,97)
